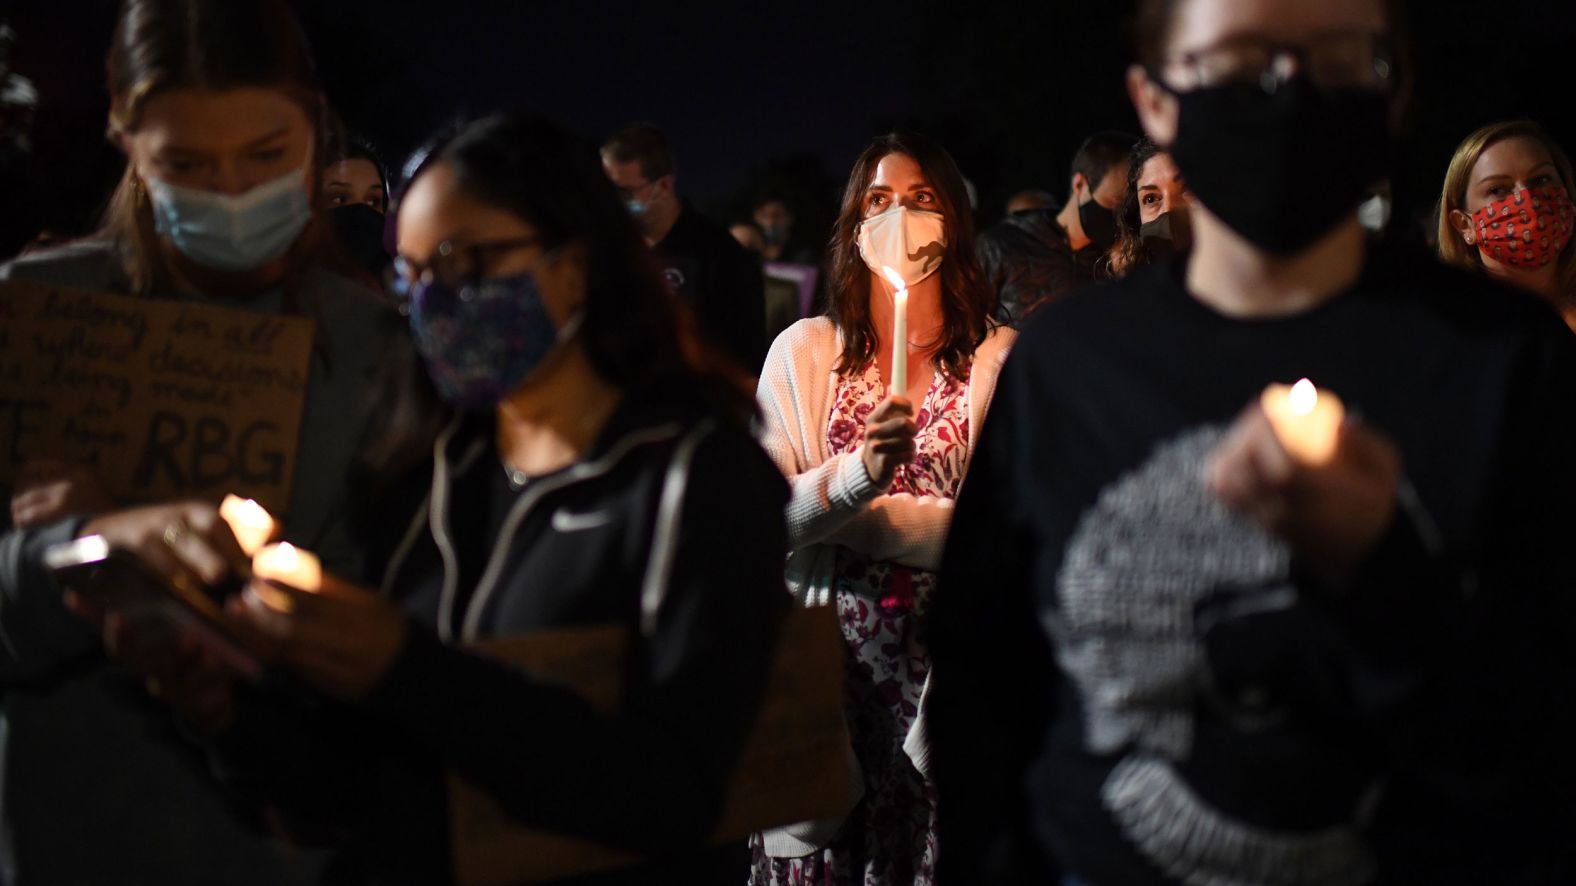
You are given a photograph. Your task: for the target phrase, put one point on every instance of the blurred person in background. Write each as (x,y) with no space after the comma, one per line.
(717,278)
(1153,223)
(217,108)
(1040,255)
(355,191)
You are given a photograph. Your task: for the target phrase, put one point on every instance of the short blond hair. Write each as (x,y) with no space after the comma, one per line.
(1458,177)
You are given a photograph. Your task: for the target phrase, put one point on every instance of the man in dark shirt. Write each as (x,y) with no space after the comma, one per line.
(1042,254)
(720,280)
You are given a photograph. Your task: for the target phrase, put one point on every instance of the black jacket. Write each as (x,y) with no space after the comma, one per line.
(721,282)
(1029,262)
(672,526)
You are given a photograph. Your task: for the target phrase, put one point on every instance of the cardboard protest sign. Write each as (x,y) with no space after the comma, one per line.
(796,764)
(164,398)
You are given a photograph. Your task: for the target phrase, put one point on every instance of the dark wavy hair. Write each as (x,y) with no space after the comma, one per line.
(344,145)
(1129,249)
(968,303)
(635,333)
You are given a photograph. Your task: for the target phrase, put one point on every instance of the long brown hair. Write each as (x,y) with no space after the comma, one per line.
(160,45)
(968,303)
(1458,176)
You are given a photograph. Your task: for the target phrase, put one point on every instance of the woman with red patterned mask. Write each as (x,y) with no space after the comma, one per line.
(1506,210)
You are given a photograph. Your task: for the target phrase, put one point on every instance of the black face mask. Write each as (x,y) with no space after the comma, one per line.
(1099,223)
(1282,169)
(360,231)
(1169,235)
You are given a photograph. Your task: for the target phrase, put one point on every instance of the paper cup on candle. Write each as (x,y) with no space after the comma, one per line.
(252,525)
(1307,421)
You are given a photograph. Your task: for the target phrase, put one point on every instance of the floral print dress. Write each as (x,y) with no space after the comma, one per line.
(890,837)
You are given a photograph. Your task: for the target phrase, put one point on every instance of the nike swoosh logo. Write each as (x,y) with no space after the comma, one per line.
(564,521)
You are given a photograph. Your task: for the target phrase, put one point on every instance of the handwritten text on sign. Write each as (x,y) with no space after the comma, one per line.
(164,398)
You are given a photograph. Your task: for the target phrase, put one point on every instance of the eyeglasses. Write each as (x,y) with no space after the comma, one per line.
(1340,60)
(453,264)
(630,192)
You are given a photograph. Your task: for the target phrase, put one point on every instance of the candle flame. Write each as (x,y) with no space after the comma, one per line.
(286,564)
(895,277)
(285,556)
(248,511)
(1303,397)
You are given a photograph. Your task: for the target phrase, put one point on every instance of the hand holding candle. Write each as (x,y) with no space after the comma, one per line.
(339,637)
(1307,421)
(1293,464)
(898,386)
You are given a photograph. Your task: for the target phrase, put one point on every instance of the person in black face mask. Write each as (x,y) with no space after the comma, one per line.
(355,190)
(1153,222)
(1233,658)
(1037,256)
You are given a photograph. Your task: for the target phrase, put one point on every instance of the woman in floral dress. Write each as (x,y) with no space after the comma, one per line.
(874,472)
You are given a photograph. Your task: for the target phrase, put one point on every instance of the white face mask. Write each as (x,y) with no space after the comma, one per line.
(909,241)
(236,232)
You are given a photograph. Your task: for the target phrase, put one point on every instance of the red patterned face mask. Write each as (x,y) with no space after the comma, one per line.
(1527,229)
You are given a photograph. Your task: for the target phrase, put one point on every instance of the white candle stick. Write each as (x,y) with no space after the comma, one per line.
(289,565)
(249,521)
(899,382)
(1307,421)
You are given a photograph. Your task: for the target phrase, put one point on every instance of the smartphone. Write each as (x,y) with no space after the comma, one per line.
(117,581)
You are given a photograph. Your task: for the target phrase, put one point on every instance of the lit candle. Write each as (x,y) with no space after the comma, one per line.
(1307,421)
(251,523)
(899,382)
(289,565)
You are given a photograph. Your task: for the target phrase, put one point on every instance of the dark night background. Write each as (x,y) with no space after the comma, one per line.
(782,95)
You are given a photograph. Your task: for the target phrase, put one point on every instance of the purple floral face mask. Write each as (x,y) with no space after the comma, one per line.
(482,340)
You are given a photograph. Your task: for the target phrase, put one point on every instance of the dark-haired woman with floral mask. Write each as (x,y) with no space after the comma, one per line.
(874,472)
(591,473)
(216,106)
(1198,622)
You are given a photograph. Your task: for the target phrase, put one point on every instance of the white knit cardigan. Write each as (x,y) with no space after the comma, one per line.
(834,502)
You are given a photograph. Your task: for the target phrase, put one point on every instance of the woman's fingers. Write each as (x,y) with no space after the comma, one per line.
(217,535)
(298,617)
(1367,452)
(891,407)
(341,639)
(897,428)
(196,553)
(33,507)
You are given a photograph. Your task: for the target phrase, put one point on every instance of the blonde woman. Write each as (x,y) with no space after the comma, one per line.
(1506,211)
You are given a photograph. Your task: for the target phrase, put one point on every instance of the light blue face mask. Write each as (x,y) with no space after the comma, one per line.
(238,232)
